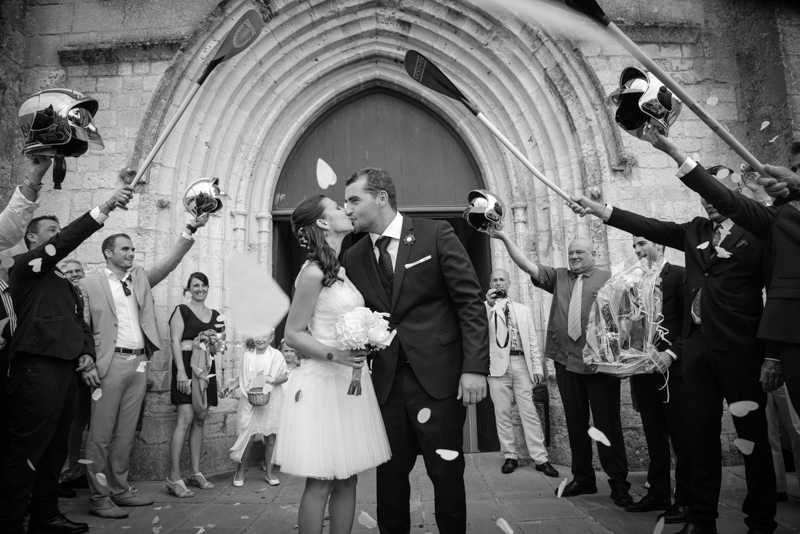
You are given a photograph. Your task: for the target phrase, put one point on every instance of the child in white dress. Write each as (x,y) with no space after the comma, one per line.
(252,421)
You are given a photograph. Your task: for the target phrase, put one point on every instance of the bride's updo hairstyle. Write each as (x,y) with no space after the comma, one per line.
(312,237)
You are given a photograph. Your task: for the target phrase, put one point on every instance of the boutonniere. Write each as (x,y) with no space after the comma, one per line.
(409,239)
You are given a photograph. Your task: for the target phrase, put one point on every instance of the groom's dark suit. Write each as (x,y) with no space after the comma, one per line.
(442,331)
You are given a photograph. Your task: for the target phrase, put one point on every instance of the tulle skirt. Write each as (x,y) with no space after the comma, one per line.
(324,432)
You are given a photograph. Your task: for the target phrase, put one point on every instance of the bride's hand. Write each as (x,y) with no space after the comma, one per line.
(350,358)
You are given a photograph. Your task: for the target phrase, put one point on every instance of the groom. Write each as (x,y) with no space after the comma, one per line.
(417,271)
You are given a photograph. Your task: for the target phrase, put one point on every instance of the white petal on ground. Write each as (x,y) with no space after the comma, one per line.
(155,520)
(742,408)
(365,519)
(561,488)
(598,436)
(447,454)
(245,517)
(97,394)
(50,250)
(774,139)
(764,124)
(504,526)
(101,479)
(744,445)
(703,245)
(423,415)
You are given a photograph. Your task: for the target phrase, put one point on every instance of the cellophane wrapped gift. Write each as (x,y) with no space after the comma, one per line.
(625,322)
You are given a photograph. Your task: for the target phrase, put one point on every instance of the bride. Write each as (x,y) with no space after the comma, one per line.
(325,434)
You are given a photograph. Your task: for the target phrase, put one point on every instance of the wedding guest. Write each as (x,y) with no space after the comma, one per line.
(126,334)
(185,324)
(779,408)
(290,355)
(582,390)
(260,359)
(515,367)
(52,344)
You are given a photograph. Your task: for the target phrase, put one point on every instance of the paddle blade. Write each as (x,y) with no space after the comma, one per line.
(590,8)
(422,70)
(244,33)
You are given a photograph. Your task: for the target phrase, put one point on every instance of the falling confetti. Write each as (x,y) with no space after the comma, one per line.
(712,101)
(97,394)
(142,367)
(31,466)
(257,302)
(561,488)
(219,325)
(736,177)
(722,173)
(199,371)
(365,519)
(36,265)
(7,262)
(297,396)
(722,253)
(659,526)
(764,125)
(202,346)
(85,462)
(703,245)
(742,408)
(211,375)
(325,175)
(101,479)
(424,415)
(744,445)
(131,357)
(696,156)
(59,274)
(504,526)
(447,454)
(50,250)
(724,232)
(155,520)
(221,318)
(598,436)
(774,139)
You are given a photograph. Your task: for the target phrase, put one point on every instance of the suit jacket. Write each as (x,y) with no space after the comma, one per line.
(104,313)
(49,307)
(436,307)
(672,308)
(779,227)
(731,302)
(499,356)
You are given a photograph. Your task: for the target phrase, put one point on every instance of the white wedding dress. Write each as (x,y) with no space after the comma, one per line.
(324,432)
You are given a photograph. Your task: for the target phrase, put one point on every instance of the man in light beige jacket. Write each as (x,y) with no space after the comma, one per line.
(123,322)
(515,366)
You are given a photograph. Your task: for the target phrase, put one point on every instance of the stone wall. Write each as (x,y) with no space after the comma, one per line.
(12,65)
(545,91)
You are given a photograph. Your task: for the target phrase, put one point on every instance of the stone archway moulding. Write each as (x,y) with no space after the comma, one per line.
(245,120)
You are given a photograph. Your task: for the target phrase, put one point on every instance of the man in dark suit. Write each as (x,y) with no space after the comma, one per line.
(51,343)
(722,357)
(417,271)
(660,398)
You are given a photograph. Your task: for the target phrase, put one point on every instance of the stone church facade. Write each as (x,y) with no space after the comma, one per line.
(543,89)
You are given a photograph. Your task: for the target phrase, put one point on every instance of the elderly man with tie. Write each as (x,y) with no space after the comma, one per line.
(581,389)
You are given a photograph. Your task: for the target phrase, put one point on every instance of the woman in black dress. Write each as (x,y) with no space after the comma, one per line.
(186,323)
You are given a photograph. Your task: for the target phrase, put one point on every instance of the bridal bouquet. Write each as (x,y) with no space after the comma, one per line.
(360,329)
(625,322)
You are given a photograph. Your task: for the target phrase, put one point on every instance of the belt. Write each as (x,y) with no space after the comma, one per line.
(517,353)
(120,350)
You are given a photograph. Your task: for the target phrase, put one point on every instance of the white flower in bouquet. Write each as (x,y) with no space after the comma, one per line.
(360,329)
(379,335)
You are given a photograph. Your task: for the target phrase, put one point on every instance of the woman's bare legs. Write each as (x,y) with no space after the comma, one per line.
(182,425)
(269,448)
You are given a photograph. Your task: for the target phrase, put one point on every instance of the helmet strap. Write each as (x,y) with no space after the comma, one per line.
(59,171)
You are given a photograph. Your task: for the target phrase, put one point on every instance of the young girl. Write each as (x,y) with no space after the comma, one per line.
(289,354)
(259,358)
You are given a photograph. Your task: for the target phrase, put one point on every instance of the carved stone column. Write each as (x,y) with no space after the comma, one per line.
(264,243)
(239,218)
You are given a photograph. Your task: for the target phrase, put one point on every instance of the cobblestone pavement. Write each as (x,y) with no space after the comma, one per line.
(524,498)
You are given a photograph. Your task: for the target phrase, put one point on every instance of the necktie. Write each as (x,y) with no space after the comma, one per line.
(716,239)
(574,324)
(384,259)
(125,288)
(501,329)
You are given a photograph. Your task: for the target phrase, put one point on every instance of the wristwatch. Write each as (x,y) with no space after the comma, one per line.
(191,228)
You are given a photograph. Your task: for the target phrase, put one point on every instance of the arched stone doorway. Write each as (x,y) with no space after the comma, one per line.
(433,171)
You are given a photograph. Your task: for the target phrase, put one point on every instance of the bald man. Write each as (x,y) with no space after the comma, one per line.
(515,366)
(574,291)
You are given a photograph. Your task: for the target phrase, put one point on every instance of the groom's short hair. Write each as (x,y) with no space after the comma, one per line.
(377,180)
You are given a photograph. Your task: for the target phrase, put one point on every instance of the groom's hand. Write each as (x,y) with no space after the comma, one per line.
(471,388)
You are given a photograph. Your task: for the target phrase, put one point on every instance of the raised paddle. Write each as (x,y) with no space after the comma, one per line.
(422,70)
(591,9)
(244,32)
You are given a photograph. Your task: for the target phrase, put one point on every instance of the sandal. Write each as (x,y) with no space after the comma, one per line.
(182,491)
(200,481)
(236,482)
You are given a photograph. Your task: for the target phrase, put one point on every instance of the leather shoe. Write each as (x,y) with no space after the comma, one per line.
(677,513)
(648,503)
(576,488)
(57,525)
(107,509)
(689,528)
(65,492)
(509,465)
(129,499)
(621,498)
(547,469)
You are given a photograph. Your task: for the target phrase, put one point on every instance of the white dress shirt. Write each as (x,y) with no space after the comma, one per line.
(394,230)
(15,218)
(129,328)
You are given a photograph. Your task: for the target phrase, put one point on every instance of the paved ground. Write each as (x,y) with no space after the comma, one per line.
(525,499)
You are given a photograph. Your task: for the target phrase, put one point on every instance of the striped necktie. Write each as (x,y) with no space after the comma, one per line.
(574,324)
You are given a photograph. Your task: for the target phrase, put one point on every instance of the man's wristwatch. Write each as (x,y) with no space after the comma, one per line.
(191,228)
